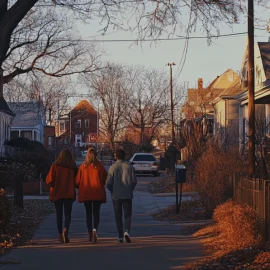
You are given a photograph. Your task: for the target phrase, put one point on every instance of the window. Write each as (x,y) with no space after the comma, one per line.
(62,127)
(230,77)
(27,134)
(144,158)
(86,123)
(79,123)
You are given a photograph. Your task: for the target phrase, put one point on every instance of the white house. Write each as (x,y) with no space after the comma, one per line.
(262,90)
(6,118)
(29,121)
(226,118)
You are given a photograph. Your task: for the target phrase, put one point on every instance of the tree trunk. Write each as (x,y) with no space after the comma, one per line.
(9,20)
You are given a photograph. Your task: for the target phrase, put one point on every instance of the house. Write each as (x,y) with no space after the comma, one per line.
(6,118)
(199,104)
(197,114)
(262,91)
(29,121)
(226,117)
(80,126)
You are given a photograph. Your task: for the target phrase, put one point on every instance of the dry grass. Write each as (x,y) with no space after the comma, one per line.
(167,185)
(24,223)
(232,242)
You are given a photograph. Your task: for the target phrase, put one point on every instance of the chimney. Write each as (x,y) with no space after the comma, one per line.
(200,83)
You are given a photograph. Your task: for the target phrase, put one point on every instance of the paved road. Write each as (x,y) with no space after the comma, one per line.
(156,245)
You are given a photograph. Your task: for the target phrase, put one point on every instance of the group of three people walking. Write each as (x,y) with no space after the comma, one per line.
(90,180)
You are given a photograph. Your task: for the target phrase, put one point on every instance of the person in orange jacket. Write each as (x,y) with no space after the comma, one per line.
(90,181)
(61,179)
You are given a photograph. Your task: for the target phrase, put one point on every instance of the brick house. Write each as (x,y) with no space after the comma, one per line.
(79,127)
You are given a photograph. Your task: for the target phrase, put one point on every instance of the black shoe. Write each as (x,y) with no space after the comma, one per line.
(127,238)
(120,240)
(65,237)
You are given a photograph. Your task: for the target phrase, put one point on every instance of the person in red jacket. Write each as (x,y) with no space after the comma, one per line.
(61,179)
(90,181)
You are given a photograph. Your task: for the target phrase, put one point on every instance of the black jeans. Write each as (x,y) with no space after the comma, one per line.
(92,208)
(118,205)
(65,204)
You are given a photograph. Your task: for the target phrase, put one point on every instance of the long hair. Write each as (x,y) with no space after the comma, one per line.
(91,157)
(66,159)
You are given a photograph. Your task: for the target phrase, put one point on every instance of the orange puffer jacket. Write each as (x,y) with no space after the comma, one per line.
(62,183)
(90,181)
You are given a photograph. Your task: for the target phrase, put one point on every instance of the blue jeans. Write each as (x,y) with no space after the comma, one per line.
(118,205)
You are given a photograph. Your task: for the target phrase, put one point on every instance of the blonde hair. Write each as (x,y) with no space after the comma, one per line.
(66,159)
(91,157)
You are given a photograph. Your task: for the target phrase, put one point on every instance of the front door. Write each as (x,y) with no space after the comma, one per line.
(78,140)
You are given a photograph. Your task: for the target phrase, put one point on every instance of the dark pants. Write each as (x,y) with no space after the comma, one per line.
(118,205)
(65,204)
(92,208)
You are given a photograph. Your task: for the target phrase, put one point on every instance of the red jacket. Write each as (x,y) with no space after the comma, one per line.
(91,180)
(62,183)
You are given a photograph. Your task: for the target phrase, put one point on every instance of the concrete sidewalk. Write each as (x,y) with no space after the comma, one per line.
(155,245)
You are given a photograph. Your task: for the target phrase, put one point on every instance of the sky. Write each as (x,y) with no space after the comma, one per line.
(202,61)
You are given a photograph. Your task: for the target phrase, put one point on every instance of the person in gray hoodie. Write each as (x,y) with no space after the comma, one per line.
(121,182)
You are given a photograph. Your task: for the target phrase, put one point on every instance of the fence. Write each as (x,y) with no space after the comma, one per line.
(9,151)
(255,193)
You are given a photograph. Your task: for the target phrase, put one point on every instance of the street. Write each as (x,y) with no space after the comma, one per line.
(155,245)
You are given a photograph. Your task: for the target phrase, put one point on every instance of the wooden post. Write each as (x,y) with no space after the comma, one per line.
(251,103)
(18,191)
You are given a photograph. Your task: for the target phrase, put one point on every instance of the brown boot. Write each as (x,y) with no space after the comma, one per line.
(60,238)
(65,236)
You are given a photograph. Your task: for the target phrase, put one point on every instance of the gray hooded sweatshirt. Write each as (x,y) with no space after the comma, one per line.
(121,180)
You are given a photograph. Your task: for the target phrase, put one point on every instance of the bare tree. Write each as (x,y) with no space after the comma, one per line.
(45,42)
(148,18)
(148,101)
(108,88)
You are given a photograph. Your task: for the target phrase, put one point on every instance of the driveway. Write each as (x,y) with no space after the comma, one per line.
(155,245)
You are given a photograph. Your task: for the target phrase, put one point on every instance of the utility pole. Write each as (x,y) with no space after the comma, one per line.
(251,103)
(172,107)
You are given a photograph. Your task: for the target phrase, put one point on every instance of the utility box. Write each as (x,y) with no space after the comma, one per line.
(180,174)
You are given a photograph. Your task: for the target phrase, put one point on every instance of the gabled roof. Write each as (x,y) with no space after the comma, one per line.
(4,107)
(233,90)
(85,105)
(28,114)
(264,48)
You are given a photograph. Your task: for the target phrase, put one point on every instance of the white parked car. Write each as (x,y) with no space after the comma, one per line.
(144,163)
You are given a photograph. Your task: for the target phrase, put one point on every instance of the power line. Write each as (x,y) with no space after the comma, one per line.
(143,40)
(84,4)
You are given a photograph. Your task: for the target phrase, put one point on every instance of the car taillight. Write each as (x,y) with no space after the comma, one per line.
(133,162)
(154,164)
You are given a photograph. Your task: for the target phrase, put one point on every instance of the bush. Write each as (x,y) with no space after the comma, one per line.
(212,174)
(8,171)
(32,152)
(236,225)
(5,211)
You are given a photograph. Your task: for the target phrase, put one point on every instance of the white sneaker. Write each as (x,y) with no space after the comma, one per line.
(95,237)
(127,238)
